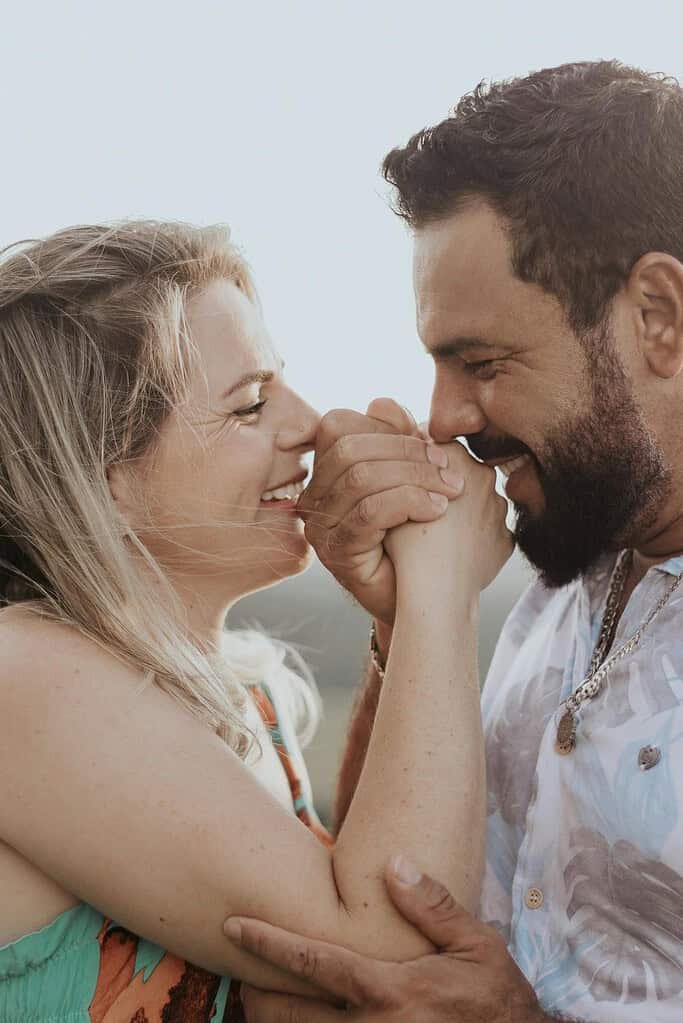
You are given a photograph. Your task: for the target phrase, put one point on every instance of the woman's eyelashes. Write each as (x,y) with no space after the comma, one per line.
(250,412)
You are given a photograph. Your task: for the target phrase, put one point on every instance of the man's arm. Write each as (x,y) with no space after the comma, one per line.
(360,729)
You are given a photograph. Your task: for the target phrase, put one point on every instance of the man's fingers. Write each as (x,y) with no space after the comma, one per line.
(388,411)
(366,523)
(331,968)
(266,1007)
(432,909)
(342,421)
(365,479)
(354,449)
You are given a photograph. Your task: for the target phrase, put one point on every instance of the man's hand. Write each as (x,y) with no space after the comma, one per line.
(371,472)
(470,979)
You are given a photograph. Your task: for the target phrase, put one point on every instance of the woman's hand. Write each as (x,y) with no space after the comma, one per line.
(471,540)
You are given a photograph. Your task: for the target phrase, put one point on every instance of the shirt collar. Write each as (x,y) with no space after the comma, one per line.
(674,566)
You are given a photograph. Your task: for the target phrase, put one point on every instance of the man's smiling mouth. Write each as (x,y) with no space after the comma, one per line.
(510,465)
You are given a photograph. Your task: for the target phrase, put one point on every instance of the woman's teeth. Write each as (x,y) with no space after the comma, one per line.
(507,468)
(291,492)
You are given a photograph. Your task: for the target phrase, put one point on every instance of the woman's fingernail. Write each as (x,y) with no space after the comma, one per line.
(452,479)
(233,929)
(405,871)
(437,456)
(440,501)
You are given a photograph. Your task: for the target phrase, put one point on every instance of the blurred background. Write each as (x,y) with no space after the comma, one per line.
(274,115)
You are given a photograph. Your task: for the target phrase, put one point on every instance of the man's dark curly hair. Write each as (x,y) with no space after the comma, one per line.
(584,160)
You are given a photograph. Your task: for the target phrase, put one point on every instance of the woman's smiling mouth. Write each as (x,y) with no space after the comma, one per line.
(284,496)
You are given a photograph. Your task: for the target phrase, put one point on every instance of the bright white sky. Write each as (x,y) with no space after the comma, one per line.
(274,115)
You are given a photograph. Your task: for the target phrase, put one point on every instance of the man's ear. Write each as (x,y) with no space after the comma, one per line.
(655,287)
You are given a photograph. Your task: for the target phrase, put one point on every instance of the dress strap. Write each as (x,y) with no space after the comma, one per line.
(285,744)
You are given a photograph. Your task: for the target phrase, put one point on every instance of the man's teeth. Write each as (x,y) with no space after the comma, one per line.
(291,492)
(507,468)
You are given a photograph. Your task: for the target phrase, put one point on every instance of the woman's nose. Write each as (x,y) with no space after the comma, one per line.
(300,428)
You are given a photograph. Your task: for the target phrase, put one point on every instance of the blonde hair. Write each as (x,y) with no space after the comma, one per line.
(95,355)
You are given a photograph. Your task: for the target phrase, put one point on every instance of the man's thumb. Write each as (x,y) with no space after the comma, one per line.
(429,906)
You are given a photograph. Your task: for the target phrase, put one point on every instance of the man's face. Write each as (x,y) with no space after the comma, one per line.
(515,380)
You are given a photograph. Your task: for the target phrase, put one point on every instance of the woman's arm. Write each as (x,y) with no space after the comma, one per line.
(128,802)
(359,731)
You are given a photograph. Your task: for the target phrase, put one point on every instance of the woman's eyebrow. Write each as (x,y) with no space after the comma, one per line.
(261,376)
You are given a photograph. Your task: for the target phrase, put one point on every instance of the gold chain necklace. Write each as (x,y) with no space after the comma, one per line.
(599,667)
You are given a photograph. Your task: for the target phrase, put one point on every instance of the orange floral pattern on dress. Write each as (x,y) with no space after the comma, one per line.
(176,991)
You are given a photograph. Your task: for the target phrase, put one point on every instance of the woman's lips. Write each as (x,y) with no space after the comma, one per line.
(287,504)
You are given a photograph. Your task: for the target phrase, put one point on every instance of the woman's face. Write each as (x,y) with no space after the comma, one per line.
(217,525)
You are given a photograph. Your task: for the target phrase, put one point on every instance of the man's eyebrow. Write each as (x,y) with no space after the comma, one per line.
(259,376)
(458,346)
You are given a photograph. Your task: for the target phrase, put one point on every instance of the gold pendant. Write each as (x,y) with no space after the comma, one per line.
(566,734)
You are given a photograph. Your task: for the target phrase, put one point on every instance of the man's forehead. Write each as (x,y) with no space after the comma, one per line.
(461,267)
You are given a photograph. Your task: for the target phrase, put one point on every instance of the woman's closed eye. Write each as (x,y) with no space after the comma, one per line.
(250,411)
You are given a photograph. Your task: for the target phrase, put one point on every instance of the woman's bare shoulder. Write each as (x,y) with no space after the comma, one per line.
(35,647)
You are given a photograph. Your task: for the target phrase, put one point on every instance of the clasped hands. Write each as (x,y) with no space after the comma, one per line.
(373,473)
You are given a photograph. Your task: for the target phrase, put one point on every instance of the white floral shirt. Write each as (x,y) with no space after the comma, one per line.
(584,871)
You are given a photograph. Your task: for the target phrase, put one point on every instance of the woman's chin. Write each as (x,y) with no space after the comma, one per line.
(286,564)
(299,560)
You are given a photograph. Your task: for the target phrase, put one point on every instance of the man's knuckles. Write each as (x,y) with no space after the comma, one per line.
(357,478)
(254,940)
(438,901)
(335,424)
(304,961)
(339,422)
(389,411)
(368,509)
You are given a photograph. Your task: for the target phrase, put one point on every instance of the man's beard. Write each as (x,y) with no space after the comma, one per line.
(602,475)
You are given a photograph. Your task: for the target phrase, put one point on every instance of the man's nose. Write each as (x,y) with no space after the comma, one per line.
(454,413)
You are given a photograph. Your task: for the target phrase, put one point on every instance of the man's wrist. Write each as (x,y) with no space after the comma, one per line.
(383,634)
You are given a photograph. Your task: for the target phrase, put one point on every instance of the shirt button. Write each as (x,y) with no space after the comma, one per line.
(534,898)
(649,756)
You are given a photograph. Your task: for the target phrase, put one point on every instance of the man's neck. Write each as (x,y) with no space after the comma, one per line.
(656,546)
(640,565)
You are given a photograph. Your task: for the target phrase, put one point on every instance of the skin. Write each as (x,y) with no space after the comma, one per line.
(505,396)
(468,980)
(512,377)
(200,499)
(217,456)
